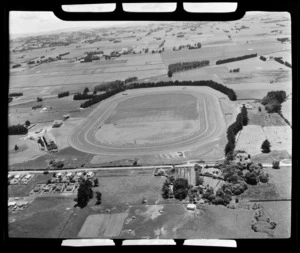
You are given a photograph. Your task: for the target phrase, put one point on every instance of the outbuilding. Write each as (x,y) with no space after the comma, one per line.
(191,207)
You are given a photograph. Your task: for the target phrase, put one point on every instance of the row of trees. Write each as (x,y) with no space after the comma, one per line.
(235,59)
(234,128)
(17,129)
(15,94)
(279,59)
(63,94)
(119,86)
(161,44)
(273,101)
(181,66)
(82,96)
(16,65)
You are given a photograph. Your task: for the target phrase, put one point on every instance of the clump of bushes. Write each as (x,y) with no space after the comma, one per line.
(273,101)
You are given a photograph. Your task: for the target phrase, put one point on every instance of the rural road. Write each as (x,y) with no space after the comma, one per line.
(83,136)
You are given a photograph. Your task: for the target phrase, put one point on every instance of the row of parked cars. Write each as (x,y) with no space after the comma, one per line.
(19,178)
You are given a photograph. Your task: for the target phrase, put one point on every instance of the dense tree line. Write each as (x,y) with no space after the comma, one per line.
(17,129)
(63,94)
(236,59)
(283,39)
(288,64)
(118,86)
(16,94)
(234,128)
(180,66)
(83,96)
(273,101)
(60,55)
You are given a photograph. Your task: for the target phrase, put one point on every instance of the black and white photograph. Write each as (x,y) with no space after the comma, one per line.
(149,129)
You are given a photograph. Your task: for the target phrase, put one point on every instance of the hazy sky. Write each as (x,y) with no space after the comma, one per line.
(38,22)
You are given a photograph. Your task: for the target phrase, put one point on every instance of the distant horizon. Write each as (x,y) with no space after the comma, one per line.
(21,23)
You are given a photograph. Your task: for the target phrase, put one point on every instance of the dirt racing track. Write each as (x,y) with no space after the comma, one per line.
(211,126)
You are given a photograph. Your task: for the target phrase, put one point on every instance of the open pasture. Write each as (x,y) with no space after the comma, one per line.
(207,222)
(102,225)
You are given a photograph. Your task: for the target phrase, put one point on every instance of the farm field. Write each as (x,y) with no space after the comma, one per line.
(252,136)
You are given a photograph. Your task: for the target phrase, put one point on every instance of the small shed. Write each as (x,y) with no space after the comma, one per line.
(191,207)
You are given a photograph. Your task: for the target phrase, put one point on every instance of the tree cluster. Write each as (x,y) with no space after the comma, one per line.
(235,59)
(180,188)
(234,70)
(273,101)
(263,58)
(181,66)
(234,128)
(118,86)
(63,94)
(17,129)
(85,193)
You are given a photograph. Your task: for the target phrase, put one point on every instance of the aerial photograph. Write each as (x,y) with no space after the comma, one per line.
(150,129)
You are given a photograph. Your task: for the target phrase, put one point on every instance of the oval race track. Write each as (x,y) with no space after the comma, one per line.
(83,135)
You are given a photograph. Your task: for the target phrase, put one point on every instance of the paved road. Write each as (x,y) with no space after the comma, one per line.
(83,135)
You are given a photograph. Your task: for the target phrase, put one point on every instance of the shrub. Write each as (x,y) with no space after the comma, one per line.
(39,99)
(170,73)
(16,147)
(266,146)
(275,164)
(263,178)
